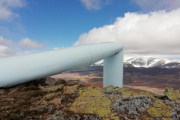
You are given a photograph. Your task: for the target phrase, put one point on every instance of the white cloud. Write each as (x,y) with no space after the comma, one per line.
(9,48)
(29,44)
(5,42)
(154,5)
(156,33)
(6,7)
(25,43)
(5,51)
(94,4)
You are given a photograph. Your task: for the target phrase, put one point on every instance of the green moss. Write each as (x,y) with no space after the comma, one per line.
(173,95)
(113,117)
(92,100)
(52,88)
(122,89)
(70,89)
(155,112)
(109,87)
(159,109)
(112,97)
(159,103)
(125,92)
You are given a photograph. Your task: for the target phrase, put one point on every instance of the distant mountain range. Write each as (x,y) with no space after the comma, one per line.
(147,62)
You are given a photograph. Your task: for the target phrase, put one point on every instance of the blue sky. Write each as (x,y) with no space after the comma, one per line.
(61,22)
(38,25)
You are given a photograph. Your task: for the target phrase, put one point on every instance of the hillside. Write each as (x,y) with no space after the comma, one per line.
(73,100)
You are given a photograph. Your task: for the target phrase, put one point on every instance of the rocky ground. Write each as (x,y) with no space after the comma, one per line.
(74,100)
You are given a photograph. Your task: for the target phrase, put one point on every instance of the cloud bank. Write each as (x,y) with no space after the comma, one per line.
(155,33)
(154,5)
(94,4)
(6,7)
(9,48)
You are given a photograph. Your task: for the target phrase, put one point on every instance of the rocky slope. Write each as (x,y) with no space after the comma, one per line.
(73,100)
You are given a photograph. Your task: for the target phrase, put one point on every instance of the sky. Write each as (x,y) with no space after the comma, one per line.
(144,27)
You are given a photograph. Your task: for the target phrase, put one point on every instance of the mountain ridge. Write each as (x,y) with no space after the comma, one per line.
(147,62)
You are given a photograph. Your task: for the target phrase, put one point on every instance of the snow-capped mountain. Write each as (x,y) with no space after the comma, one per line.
(99,63)
(148,62)
(154,62)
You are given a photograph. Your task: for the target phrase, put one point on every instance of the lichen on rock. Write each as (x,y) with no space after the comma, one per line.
(70,89)
(92,100)
(109,87)
(52,88)
(133,105)
(125,92)
(173,95)
(159,109)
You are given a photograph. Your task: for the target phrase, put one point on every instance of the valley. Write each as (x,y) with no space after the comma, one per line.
(149,79)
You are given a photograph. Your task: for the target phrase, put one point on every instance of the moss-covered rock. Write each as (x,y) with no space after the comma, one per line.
(155,112)
(173,95)
(125,92)
(55,101)
(159,109)
(112,97)
(49,96)
(92,100)
(109,87)
(52,88)
(70,89)
(114,117)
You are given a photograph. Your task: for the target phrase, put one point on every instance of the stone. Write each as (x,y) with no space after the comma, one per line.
(52,88)
(159,109)
(173,95)
(49,96)
(92,100)
(70,89)
(55,101)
